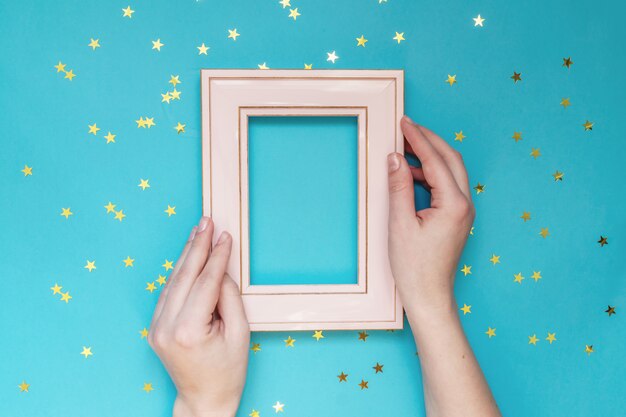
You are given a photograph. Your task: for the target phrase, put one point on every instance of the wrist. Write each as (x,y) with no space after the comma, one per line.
(183,407)
(435,310)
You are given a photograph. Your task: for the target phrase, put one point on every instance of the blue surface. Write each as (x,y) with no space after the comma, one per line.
(44,123)
(303,183)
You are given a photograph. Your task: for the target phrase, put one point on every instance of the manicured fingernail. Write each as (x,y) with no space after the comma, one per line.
(393,162)
(193,233)
(223,237)
(204,221)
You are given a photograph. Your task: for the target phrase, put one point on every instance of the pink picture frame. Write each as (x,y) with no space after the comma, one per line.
(376,98)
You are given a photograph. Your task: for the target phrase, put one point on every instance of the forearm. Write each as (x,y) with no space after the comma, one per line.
(454,384)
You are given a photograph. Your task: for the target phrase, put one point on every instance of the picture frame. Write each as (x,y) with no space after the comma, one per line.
(229,97)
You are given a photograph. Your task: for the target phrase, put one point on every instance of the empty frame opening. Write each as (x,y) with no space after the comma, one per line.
(303,199)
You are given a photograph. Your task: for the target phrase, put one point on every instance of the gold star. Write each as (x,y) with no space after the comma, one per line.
(466,309)
(588,125)
(467,270)
(166,98)
(603,240)
(532,340)
(517,76)
(472,231)
(517,136)
(294,13)
(23,386)
(144,333)
(458,136)
(363,336)
(363,384)
(479,188)
(478,21)
(342,377)
(567,62)
(308,66)
(86,352)
(70,75)
(175,94)
(110,207)
(143,184)
(518,278)
(451,79)
(535,153)
(399,37)
(263,66)
(254,413)
(558,176)
(361,41)
(203,49)
(495,259)
(256,347)
(93,129)
(141,122)
(60,67)
(119,215)
(551,337)
(95,43)
(128,12)
(536,275)
(66,212)
(110,137)
(180,128)
(56,289)
(174,80)
(170,210)
(65,296)
(588,349)
(378,367)
(91,265)
(168,265)
(128,261)
(232,34)
(147,386)
(490,332)
(285,3)
(544,232)
(149,122)
(289,342)
(150,286)
(565,102)
(317,334)
(161,280)
(610,310)
(278,407)
(525,216)
(27,170)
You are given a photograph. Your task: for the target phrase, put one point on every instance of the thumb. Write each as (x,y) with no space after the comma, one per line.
(401,199)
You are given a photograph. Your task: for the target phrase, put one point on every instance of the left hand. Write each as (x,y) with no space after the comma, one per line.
(199,328)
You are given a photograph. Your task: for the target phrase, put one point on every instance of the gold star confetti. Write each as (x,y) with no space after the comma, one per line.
(532,340)
(147,387)
(175,94)
(56,289)
(289,342)
(175,80)
(479,188)
(23,386)
(588,125)
(150,286)
(518,278)
(285,3)
(119,215)
(567,62)
(180,128)
(294,13)
(361,41)
(278,407)
(517,76)
(525,216)
(544,232)
(363,384)
(144,333)
(603,240)
(95,43)
(60,67)
(558,176)
(459,136)
(399,37)
(478,21)
(232,34)
(168,265)
(565,102)
(86,352)
(110,207)
(93,129)
(308,66)
(610,310)
(66,212)
(128,261)
(536,275)
(143,184)
(535,152)
(165,98)
(378,368)
(27,170)
(65,296)
(342,377)
(490,332)
(110,137)
(170,210)
(203,49)
(551,337)
(332,56)
(161,280)
(467,270)
(317,335)
(588,349)
(451,79)
(91,265)
(466,309)
(254,413)
(495,259)
(517,136)
(472,231)
(263,66)
(128,12)
(256,347)
(69,75)
(363,336)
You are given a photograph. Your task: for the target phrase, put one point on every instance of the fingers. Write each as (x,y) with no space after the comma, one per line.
(205,292)
(183,280)
(401,200)
(230,308)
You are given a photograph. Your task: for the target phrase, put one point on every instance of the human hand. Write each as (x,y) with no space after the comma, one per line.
(199,328)
(424,247)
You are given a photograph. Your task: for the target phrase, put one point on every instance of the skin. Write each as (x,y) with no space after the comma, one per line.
(200,332)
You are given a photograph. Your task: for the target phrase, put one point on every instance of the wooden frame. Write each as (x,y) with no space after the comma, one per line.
(375,97)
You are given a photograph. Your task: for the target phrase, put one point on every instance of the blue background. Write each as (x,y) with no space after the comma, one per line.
(44,123)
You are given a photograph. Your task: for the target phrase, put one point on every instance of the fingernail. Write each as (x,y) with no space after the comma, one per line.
(393,162)
(222,238)
(193,233)
(408,119)
(204,221)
